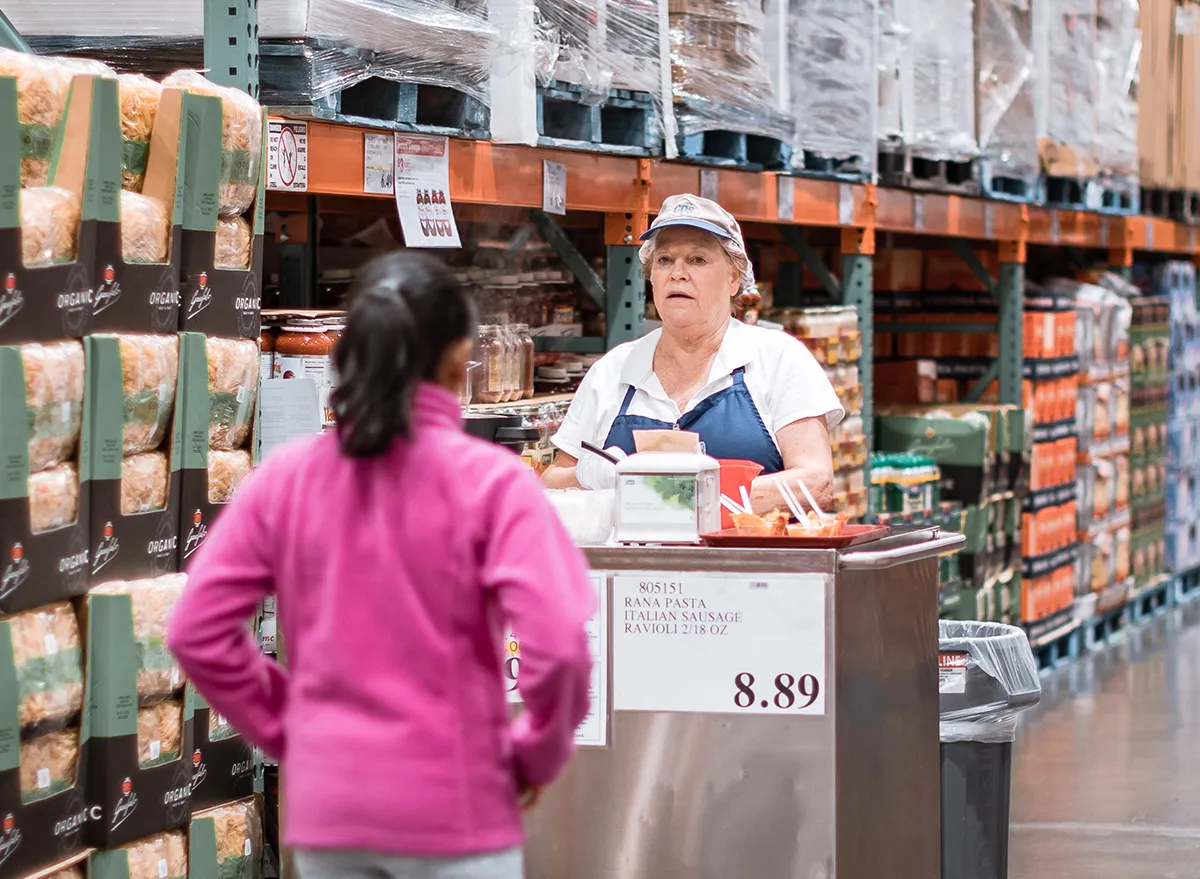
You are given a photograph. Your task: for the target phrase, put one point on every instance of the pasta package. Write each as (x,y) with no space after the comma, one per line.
(49,226)
(241,138)
(48,659)
(234,242)
(232,383)
(158,676)
(42,87)
(145,483)
(149,369)
(219,728)
(160,733)
(239,838)
(145,228)
(139,108)
(54,383)
(53,498)
(160,857)
(226,471)
(49,764)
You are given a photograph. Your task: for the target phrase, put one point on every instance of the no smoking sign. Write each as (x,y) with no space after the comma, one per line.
(287,155)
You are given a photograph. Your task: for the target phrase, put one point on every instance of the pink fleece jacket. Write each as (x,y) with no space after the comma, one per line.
(395,577)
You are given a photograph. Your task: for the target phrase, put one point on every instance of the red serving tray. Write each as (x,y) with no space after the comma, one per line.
(852,535)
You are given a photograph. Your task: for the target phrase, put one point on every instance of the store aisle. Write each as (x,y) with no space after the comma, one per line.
(1106,778)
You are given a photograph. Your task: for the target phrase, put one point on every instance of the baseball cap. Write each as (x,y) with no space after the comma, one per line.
(700,213)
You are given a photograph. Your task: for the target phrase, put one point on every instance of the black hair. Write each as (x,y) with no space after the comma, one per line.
(405,310)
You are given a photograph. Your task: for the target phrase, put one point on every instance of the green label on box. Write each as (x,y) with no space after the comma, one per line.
(14,432)
(10,723)
(112,666)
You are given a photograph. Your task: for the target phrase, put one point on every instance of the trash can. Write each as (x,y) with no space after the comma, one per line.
(986,677)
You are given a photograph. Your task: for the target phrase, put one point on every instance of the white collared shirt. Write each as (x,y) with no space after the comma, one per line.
(784,379)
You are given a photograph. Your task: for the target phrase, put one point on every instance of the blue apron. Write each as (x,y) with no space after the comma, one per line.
(728,423)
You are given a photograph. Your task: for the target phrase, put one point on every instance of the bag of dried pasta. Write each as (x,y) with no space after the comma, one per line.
(226,471)
(219,727)
(241,138)
(145,483)
(160,733)
(239,838)
(232,383)
(139,108)
(54,373)
(159,857)
(235,241)
(149,369)
(49,226)
(158,674)
(48,660)
(49,764)
(42,87)
(145,228)
(53,498)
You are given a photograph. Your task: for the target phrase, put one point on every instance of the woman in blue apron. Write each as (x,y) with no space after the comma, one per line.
(749,393)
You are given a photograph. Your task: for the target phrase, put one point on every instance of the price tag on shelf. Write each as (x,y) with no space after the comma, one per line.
(989,221)
(1149,233)
(1187,20)
(287,155)
(1103,232)
(379,164)
(422,181)
(710,184)
(717,644)
(919,213)
(845,204)
(554,187)
(785,188)
(1055,227)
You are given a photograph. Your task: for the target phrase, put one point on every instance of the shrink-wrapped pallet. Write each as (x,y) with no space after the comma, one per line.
(1065,50)
(1118,48)
(1005,92)
(941,41)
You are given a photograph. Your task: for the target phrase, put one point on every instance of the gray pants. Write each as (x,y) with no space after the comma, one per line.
(313,864)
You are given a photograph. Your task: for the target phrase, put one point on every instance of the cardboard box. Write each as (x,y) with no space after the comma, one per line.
(39,833)
(227,841)
(165,854)
(37,567)
(130,296)
(131,797)
(218,302)
(222,761)
(48,302)
(143,544)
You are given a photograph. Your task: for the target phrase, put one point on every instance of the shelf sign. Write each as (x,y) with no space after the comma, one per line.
(1055,227)
(1103,233)
(989,221)
(287,155)
(1149,234)
(716,644)
(845,204)
(710,184)
(379,164)
(422,182)
(554,187)
(919,213)
(786,189)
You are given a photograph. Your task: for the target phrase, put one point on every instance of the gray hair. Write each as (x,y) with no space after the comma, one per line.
(733,250)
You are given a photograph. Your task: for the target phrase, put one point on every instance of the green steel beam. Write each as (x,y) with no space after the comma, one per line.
(857,289)
(626,294)
(812,261)
(549,229)
(981,384)
(10,37)
(1010,292)
(231,44)
(967,255)
(935,328)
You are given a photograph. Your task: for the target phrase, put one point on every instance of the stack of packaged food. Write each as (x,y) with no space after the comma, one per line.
(1177,281)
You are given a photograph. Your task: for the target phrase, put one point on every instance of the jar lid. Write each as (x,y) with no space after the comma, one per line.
(552,373)
(528,277)
(303,326)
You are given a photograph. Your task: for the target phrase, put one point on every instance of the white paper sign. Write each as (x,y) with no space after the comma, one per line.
(919,213)
(710,184)
(379,164)
(1055,227)
(786,189)
(989,221)
(423,191)
(554,187)
(593,731)
(845,204)
(288,409)
(952,672)
(287,155)
(719,644)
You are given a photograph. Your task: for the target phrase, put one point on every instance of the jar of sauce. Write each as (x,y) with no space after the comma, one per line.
(303,350)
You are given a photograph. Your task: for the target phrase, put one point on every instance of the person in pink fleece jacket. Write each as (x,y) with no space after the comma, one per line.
(399,548)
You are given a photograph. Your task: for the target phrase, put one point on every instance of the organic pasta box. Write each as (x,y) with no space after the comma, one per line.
(227,842)
(223,762)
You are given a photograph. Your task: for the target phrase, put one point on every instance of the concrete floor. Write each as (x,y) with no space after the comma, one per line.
(1106,777)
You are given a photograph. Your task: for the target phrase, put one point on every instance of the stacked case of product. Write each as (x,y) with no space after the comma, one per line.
(1177,282)
(1103,421)
(1149,347)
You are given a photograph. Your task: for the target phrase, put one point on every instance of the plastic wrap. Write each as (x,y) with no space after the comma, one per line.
(719,74)
(49,225)
(232,383)
(588,516)
(226,470)
(239,838)
(943,69)
(160,733)
(49,764)
(241,141)
(145,228)
(158,676)
(149,368)
(1065,51)
(160,857)
(894,117)
(48,659)
(1118,50)
(139,108)
(54,384)
(234,243)
(145,483)
(1005,92)
(42,87)
(833,80)
(1001,680)
(53,498)
(219,728)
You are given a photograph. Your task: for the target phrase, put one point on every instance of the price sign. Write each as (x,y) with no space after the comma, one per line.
(989,221)
(845,204)
(710,184)
(1055,227)
(1149,234)
(554,187)
(379,164)
(287,155)
(919,213)
(785,187)
(716,644)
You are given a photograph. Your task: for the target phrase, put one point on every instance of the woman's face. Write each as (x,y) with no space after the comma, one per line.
(692,276)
